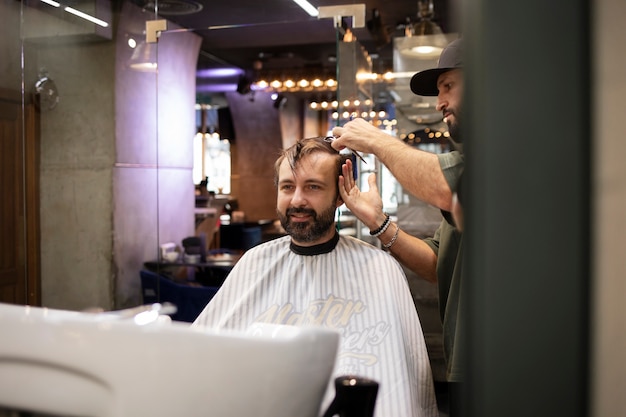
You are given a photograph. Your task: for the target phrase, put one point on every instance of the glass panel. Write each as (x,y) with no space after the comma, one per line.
(136,212)
(88,211)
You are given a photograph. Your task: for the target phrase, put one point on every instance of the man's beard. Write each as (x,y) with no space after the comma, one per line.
(311,230)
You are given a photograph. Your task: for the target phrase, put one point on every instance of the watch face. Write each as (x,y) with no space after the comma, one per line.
(46,91)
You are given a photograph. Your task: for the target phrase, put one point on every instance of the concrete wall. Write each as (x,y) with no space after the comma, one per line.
(10,67)
(77,153)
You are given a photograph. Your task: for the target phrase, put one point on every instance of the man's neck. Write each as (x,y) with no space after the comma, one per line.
(318,249)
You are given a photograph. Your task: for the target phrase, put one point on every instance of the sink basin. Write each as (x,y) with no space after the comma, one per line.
(72,363)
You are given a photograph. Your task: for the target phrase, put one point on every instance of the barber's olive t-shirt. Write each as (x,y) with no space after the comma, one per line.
(448,245)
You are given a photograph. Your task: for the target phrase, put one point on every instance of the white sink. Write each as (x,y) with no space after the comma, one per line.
(70,363)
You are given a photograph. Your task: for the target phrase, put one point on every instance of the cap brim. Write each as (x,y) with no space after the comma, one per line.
(424,83)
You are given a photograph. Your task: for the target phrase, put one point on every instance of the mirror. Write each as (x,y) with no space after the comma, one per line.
(101,148)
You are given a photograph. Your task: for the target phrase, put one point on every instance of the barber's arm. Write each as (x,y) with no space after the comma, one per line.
(419,172)
(367,206)
(411,252)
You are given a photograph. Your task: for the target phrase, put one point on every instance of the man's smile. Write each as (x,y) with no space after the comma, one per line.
(299,217)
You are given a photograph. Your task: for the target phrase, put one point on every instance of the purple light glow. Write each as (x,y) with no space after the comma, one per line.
(218,72)
(216,88)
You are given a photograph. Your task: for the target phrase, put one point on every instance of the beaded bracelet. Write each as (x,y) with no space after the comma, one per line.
(382,227)
(393,239)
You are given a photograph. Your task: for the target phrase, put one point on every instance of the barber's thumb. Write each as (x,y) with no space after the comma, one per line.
(371,181)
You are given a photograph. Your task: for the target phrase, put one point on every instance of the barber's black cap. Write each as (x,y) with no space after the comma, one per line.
(424,83)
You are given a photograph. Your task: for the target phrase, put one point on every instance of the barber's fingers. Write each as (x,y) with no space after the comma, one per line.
(348,173)
(343,193)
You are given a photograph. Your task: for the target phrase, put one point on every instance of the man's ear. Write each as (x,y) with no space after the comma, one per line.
(339,201)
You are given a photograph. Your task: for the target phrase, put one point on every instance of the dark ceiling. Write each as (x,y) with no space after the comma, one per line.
(279,35)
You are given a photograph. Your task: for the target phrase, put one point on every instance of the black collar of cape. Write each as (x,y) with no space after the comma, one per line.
(320,249)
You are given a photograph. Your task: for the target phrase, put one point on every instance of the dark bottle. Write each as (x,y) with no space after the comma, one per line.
(355,396)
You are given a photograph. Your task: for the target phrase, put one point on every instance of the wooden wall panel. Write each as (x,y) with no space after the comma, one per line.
(258,142)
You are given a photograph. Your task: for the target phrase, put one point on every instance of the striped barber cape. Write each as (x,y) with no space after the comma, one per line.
(357,289)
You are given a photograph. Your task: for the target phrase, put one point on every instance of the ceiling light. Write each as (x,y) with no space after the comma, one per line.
(85,16)
(262,84)
(144,58)
(218,72)
(292,83)
(308,7)
(51,3)
(78,13)
(279,101)
(424,39)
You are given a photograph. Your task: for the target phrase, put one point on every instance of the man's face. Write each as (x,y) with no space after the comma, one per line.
(450,85)
(307,199)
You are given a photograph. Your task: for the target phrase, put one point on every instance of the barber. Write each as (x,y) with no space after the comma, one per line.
(432,178)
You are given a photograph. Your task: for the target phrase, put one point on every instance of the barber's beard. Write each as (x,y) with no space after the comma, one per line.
(454,128)
(311,230)
(455,132)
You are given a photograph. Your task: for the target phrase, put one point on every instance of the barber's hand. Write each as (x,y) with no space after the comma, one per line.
(358,135)
(366,206)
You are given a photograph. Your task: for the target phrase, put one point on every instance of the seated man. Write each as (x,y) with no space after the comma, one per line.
(314,276)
